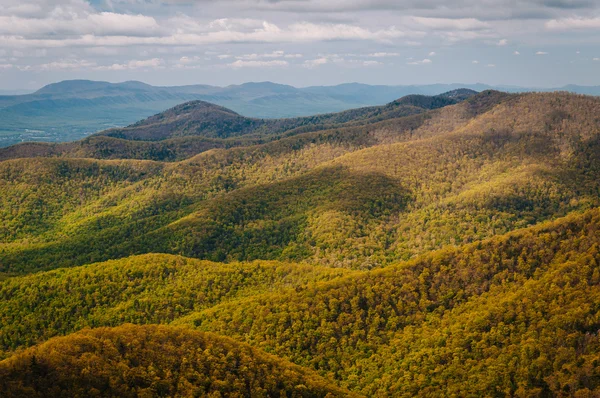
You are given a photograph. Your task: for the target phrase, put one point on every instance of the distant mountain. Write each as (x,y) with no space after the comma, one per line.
(197,126)
(73,109)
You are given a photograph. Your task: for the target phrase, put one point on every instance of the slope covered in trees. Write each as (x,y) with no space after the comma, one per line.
(520,312)
(452,252)
(197,126)
(351,199)
(152,361)
(517,315)
(153,288)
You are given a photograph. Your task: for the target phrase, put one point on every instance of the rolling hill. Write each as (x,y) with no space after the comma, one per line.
(74,109)
(71,110)
(134,361)
(433,246)
(197,126)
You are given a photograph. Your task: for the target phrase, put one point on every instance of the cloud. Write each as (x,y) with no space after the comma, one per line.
(432,54)
(258,64)
(475,62)
(154,63)
(304,32)
(99,24)
(314,63)
(573,23)
(371,63)
(489,10)
(274,54)
(541,53)
(502,42)
(425,61)
(451,24)
(382,55)
(596,59)
(188,60)
(491,65)
(516,53)
(67,64)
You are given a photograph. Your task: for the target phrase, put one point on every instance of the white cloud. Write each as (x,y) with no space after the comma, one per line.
(67,64)
(382,55)
(573,23)
(313,63)
(432,54)
(274,54)
(491,65)
(541,53)
(451,24)
(371,63)
(154,63)
(516,53)
(475,62)
(267,33)
(258,64)
(502,42)
(6,66)
(99,24)
(596,59)
(306,31)
(188,60)
(425,61)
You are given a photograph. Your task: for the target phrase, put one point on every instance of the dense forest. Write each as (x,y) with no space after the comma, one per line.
(434,246)
(138,361)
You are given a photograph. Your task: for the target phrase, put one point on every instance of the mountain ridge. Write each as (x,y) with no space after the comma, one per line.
(430,247)
(205,124)
(72,112)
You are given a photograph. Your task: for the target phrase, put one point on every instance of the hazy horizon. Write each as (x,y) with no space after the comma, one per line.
(19,91)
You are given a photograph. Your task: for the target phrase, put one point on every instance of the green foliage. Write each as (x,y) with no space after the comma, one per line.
(512,316)
(473,229)
(337,197)
(155,361)
(153,288)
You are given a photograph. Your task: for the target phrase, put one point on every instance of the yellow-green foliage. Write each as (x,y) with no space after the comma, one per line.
(517,311)
(343,198)
(155,361)
(468,282)
(152,288)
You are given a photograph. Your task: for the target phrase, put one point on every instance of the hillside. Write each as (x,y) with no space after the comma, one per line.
(433,246)
(519,311)
(133,361)
(194,127)
(522,303)
(359,197)
(73,109)
(152,288)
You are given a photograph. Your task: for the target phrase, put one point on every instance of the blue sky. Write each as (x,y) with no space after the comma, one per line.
(535,43)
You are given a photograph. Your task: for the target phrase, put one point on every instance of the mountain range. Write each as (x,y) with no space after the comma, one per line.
(444,245)
(71,110)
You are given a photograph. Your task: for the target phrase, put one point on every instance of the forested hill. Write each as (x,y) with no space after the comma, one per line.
(434,246)
(197,126)
(137,361)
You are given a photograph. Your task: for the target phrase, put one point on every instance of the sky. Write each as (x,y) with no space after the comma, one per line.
(533,43)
